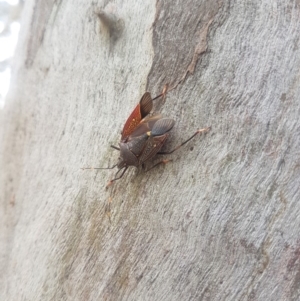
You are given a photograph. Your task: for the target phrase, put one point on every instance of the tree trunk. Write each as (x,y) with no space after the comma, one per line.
(221,222)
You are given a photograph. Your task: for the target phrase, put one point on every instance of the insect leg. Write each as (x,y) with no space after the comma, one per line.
(115,179)
(160,162)
(205,130)
(163,93)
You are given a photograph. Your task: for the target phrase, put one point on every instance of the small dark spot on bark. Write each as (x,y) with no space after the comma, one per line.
(283,97)
(113,23)
(191,148)
(139,277)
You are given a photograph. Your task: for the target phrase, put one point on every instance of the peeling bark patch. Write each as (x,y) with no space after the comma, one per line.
(174,28)
(200,48)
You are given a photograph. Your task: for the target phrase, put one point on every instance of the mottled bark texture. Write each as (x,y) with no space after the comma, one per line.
(222,221)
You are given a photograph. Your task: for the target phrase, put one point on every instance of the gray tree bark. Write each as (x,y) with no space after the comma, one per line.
(221,222)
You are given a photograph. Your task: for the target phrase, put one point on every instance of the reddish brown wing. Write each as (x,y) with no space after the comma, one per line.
(141,111)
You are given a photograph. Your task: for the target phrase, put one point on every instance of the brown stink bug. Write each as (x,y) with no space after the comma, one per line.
(143,137)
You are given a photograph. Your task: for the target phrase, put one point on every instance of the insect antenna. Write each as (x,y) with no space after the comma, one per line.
(83,168)
(115,147)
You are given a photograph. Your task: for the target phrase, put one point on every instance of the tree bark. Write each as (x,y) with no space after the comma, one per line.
(221,222)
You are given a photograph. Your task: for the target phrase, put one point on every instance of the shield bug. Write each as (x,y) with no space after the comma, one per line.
(143,136)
